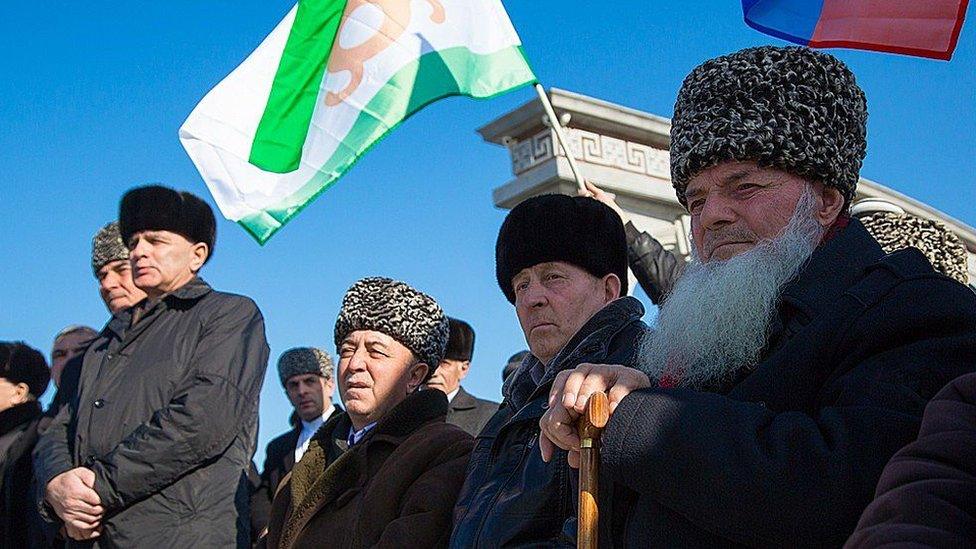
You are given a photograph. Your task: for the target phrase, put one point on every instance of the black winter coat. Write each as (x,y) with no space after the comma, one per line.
(20,522)
(790,453)
(510,496)
(469,412)
(655,268)
(166,417)
(927,493)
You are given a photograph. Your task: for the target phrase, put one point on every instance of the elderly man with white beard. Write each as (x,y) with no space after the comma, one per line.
(793,357)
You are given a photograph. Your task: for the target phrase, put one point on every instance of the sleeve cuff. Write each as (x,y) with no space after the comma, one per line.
(617,433)
(632,233)
(104,488)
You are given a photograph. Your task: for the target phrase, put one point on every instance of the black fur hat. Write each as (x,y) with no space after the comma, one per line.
(555,227)
(158,208)
(460,343)
(21,363)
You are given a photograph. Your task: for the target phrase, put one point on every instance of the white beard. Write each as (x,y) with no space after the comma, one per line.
(716,319)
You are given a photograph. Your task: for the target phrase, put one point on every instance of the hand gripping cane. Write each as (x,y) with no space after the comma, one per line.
(590,425)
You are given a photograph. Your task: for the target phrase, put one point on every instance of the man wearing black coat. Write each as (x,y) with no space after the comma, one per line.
(793,357)
(562,261)
(465,410)
(23,378)
(307,375)
(154,448)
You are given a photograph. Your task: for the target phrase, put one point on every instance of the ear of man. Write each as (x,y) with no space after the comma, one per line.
(200,253)
(831,205)
(418,372)
(611,287)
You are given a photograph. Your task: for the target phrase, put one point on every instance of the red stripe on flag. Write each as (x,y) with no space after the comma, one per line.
(924,28)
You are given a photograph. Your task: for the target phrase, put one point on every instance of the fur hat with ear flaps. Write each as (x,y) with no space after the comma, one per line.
(554,227)
(158,208)
(790,108)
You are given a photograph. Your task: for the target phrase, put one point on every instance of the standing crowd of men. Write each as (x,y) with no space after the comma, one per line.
(810,378)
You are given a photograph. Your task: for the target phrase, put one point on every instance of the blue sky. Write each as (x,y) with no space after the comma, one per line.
(94,92)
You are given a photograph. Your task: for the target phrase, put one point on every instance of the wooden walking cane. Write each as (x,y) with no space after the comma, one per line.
(590,425)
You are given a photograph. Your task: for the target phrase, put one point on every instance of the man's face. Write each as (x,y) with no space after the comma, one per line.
(735,205)
(163,261)
(376,372)
(309,393)
(553,300)
(448,375)
(116,287)
(65,348)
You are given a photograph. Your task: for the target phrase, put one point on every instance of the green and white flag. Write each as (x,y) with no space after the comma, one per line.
(330,81)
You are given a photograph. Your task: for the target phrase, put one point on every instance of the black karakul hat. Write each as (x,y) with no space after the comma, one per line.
(790,108)
(158,208)
(460,343)
(556,227)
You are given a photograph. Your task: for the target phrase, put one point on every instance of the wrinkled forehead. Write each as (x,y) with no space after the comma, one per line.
(161,234)
(547,266)
(373,338)
(728,174)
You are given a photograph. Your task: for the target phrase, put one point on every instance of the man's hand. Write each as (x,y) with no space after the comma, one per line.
(599,194)
(567,401)
(82,535)
(72,496)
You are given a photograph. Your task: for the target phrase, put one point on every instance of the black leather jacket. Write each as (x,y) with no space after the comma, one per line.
(510,496)
(655,268)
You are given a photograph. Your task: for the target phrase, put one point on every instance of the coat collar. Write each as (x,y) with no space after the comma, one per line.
(14,417)
(594,335)
(832,268)
(463,400)
(315,481)
(196,288)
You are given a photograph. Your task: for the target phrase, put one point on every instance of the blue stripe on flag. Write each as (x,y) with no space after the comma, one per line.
(791,20)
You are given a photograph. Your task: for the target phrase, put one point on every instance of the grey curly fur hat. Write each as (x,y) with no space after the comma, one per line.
(944,250)
(304,360)
(394,308)
(107,246)
(789,108)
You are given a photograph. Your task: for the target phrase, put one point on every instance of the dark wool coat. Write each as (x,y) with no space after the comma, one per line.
(469,412)
(395,488)
(20,522)
(789,453)
(279,458)
(166,417)
(927,493)
(511,497)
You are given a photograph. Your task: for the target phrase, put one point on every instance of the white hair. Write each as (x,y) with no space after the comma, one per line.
(716,319)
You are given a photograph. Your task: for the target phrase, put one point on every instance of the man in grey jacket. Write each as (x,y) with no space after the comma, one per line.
(154,448)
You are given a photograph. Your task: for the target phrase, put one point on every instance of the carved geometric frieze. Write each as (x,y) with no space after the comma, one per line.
(594,148)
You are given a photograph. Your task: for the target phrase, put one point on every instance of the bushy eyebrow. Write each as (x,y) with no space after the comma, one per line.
(732,178)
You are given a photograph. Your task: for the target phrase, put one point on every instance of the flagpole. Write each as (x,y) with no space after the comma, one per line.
(560,136)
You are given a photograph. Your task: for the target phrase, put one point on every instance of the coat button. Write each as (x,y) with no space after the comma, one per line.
(99,403)
(89,461)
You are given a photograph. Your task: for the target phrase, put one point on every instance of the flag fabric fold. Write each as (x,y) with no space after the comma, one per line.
(923,28)
(331,80)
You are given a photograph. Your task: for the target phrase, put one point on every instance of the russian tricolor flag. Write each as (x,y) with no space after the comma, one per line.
(924,28)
